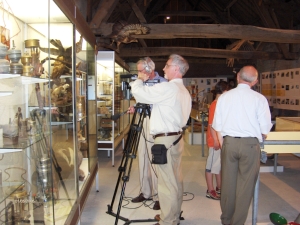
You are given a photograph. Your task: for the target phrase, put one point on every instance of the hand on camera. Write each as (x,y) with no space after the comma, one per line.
(130,110)
(143,76)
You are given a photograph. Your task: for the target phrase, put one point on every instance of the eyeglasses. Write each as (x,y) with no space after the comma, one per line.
(166,66)
(140,71)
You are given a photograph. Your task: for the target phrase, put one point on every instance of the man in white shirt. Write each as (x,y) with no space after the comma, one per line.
(242,120)
(171,110)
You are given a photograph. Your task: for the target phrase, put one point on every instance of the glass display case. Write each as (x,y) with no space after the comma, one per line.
(110,102)
(45,157)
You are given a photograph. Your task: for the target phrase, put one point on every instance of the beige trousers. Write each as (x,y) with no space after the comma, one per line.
(240,159)
(170,183)
(148,178)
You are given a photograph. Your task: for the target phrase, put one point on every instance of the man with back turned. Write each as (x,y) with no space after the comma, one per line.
(242,120)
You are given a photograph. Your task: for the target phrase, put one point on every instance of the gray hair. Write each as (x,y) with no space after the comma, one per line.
(180,62)
(248,74)
(147,63)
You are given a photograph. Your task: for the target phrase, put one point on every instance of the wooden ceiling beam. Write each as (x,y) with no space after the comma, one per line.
(230,4)
(137,11)
(270,20)
(252,33)
(153,7)
(184,13)
(105,9)
(140,17)
(201,52)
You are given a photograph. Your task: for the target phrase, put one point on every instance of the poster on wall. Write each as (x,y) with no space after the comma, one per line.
(281,88)
(200,88)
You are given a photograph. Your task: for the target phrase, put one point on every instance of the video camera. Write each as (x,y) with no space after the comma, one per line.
(125,85)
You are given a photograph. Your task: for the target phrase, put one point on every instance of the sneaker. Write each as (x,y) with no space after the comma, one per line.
(218,190)
(212,194)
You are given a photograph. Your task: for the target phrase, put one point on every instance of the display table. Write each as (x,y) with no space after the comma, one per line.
(197,137)
(286,139)
(202,117)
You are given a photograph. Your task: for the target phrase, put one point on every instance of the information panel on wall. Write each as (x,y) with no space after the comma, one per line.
(281,88)
(200,87)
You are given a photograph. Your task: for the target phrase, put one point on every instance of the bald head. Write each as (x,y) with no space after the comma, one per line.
(248,75)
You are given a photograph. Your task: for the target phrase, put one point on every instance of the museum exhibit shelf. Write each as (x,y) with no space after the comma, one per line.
(48,158)
(110,101)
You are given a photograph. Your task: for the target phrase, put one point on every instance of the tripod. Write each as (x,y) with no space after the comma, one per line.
(129,153)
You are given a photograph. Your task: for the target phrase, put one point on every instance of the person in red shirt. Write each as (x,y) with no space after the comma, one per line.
(213,162)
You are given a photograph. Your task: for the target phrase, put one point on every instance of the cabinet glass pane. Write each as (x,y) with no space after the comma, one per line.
(42,126)
(91,106)
(105,88)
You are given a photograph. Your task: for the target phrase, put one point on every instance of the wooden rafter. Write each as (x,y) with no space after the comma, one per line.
(140,17)
(184,13)
(270,22)
(201,52)
(252,33)
(104,10)
(230,4)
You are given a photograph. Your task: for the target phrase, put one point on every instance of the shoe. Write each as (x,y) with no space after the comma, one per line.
(212,194)
(157,218)
(156,206)
(140,198)
(159,224)
(218,190)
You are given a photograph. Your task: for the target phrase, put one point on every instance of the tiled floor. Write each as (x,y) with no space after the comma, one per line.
(280,193)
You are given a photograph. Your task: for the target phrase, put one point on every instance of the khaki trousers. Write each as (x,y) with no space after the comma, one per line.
(148,178)
(240,162)
(170,183)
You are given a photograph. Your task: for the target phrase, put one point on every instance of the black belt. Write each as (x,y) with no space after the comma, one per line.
(236,137)
(230,136)
(166,134)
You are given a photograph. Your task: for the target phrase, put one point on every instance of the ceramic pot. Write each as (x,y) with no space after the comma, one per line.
(14,55)
(3,50)
(4,66)
(16,68)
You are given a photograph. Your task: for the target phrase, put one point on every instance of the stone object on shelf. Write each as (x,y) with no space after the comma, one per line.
(14,56)
(103,110)
(4,64)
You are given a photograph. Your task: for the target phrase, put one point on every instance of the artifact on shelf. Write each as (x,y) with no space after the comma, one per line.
(31,127)
(105,133)
(59,95)
(19,119)
(42,178)
(4,63)
(21,205)
(106,122)
(11,131)
(14,56)
(26,60)
(37,66)
(103,110)
(80,105)
(63,63)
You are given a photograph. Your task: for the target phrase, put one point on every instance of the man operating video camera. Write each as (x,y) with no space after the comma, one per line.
(148,178)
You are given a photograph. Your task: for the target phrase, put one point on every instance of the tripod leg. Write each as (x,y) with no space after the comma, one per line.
(120,203)
(130,151)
